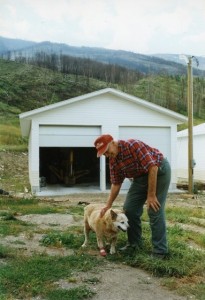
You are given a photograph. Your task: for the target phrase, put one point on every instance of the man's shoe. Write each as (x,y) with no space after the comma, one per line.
(129,248)
(161,256)
(126,248)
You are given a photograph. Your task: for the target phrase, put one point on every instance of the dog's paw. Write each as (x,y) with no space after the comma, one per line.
(103,252)
(112,249)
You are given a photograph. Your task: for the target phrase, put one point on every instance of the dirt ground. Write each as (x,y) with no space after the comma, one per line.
(116,282)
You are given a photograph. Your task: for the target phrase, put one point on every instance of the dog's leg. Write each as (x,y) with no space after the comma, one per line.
(101,245)
(112,246)
(86,233)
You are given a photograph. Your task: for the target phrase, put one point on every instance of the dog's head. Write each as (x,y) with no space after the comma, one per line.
(120,220)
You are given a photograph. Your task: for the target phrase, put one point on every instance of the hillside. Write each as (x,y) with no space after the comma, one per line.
(135,61)
(27,87)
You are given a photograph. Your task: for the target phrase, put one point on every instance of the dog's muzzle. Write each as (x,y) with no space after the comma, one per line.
(124,230)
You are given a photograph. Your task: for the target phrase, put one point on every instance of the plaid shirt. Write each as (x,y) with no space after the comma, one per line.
(133,160)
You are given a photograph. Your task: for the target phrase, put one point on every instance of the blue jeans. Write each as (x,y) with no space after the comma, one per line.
(133,206)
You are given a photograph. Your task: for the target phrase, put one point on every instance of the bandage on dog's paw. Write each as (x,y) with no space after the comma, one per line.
(103,252)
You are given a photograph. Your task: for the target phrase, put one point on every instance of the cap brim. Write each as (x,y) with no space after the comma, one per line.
(102,151)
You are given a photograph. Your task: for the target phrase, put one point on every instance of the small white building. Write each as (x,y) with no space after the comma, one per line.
(198,153)
(61,137)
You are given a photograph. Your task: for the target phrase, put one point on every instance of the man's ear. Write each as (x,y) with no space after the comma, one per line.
(113,215)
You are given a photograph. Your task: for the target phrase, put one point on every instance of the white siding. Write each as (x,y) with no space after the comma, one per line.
(34,157)
(199,146)
(106,111)
(198,155)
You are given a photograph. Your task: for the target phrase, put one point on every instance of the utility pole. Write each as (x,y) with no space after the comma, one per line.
(191,162)
(190,127)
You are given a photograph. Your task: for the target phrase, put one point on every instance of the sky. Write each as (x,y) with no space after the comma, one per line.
(140,26)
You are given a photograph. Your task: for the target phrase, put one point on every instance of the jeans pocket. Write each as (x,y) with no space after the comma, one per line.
(164,166)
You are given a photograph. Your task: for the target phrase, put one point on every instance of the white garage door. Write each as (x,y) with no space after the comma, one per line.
(158,137)
(68,136)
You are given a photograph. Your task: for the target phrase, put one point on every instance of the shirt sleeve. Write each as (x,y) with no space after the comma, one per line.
(143,155)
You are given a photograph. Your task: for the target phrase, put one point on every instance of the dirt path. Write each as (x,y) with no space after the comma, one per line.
(121,282)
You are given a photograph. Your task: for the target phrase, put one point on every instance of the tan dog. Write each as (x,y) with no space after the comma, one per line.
(106,227)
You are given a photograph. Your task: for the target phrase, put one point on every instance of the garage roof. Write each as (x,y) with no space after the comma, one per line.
(197,130)
(26,118)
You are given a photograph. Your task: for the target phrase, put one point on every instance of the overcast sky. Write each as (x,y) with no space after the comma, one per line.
(141,26)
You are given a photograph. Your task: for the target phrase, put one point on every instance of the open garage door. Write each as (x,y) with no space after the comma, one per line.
(69,166)
(67,155)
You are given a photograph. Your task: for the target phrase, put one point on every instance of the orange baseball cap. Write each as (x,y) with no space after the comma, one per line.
(101,143)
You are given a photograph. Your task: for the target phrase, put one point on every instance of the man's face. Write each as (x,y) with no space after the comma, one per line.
(112,150)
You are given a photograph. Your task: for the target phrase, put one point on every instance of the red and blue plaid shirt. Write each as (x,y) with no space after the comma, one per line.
(133,160)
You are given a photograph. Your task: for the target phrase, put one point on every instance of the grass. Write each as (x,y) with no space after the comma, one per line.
(10,133)
(25,277)
(27,206)
(66,239)
(30,277)
(184,214)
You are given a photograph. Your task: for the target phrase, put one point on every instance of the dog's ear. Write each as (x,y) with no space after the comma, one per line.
(113,215)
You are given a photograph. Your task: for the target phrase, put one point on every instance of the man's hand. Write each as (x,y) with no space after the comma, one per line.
(153,203)
(103,211)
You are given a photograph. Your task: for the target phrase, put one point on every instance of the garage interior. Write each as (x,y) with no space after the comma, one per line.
(70,167)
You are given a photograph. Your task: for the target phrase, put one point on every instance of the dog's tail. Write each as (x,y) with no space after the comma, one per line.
(83,203)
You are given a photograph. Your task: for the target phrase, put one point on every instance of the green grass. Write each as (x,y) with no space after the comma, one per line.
(65,239)
(13,226)
(11,207)
(185,214)
(10,133)
(29,277)
(28,206)
(77,293)
(25,277)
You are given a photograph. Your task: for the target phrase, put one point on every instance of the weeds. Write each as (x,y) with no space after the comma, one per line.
(57,239)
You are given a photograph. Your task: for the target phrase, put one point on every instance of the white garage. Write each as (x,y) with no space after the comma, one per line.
(198,153)
(61,136)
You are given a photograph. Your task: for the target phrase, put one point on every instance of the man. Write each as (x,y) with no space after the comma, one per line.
(150,173)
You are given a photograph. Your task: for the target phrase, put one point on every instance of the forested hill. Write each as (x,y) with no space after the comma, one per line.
(25,87)
(11,48)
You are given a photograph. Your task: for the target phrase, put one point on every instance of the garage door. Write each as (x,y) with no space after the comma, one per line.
(68,136)
(158,137)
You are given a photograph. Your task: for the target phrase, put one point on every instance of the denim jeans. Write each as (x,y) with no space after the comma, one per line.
(133,206)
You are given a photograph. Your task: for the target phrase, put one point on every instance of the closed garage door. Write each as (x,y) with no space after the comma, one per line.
(158,137)
(68,136)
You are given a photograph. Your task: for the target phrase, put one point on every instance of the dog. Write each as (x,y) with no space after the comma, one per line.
(106,227)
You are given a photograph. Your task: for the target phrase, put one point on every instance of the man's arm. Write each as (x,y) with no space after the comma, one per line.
(115,189)
(152,201)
